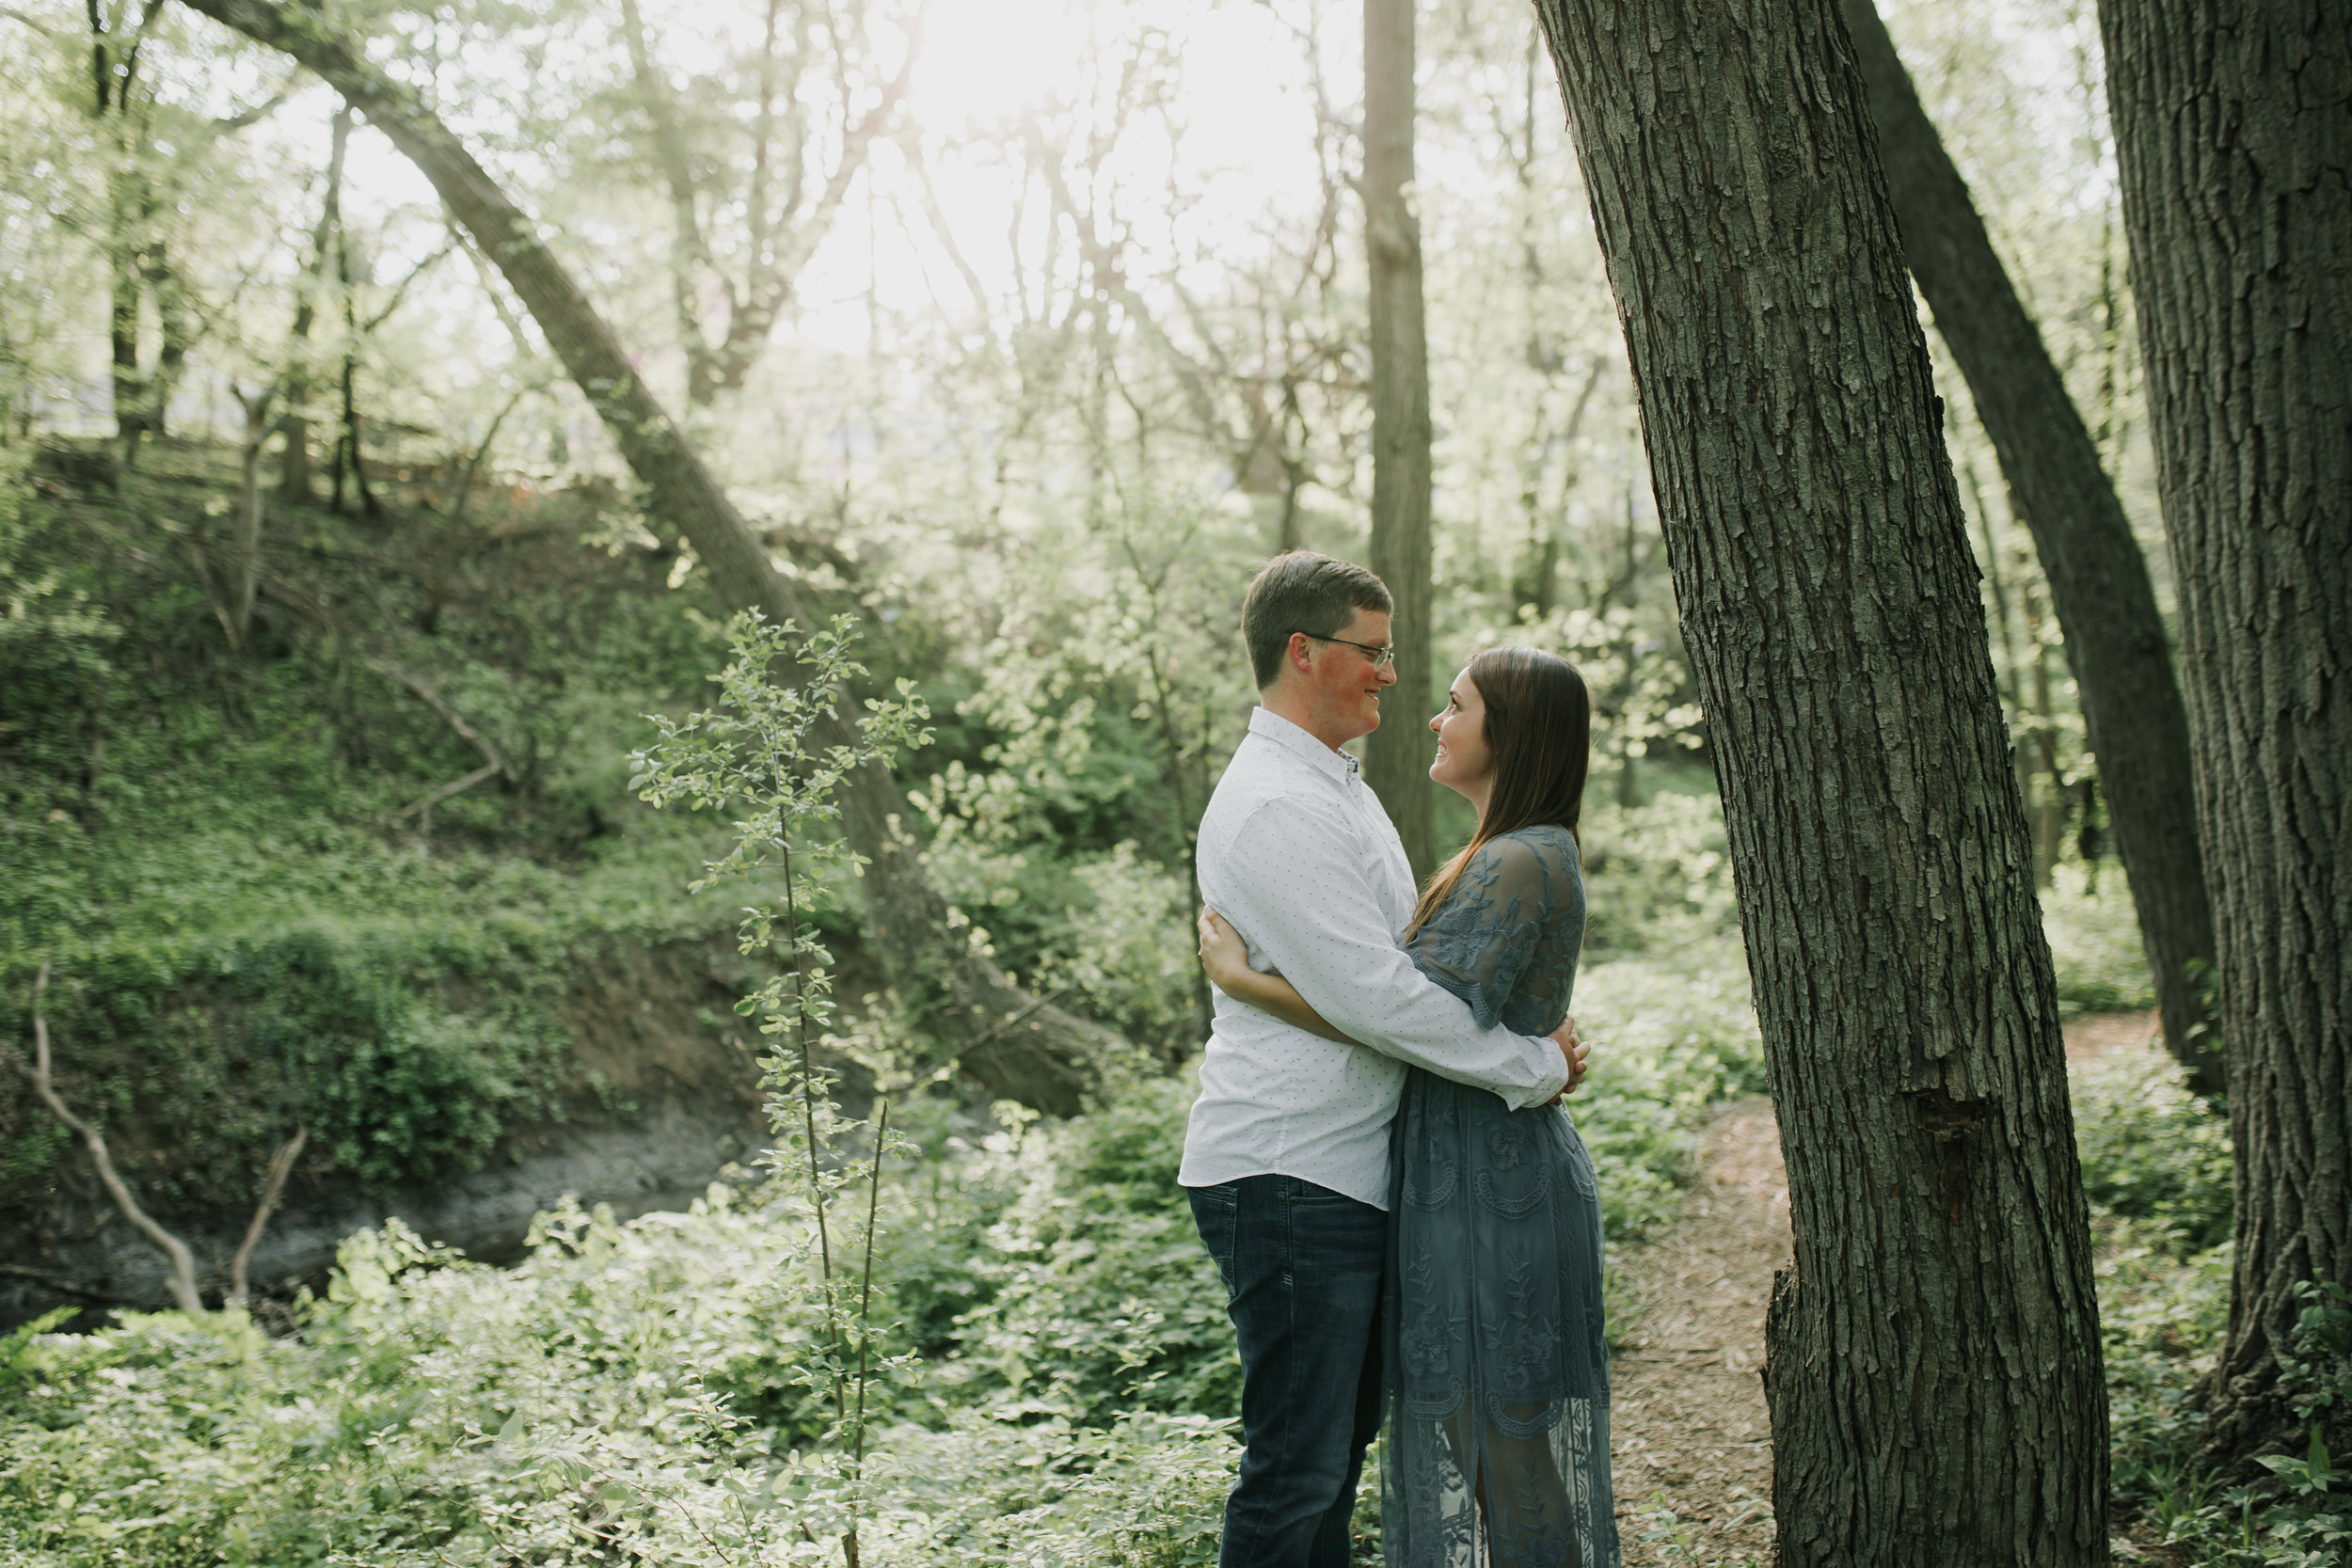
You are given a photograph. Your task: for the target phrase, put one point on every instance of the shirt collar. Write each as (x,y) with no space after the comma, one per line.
(1282,732)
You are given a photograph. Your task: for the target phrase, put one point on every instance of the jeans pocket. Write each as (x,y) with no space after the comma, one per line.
(1305,1195)
(1215,1213)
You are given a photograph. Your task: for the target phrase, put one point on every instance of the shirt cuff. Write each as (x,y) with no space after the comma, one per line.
(1552,1082)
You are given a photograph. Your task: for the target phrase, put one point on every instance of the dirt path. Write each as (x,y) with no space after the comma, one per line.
(1690,1439)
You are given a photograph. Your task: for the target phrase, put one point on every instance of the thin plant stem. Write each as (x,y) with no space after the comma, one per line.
(865,1334)
(809,1109)
(865,1292)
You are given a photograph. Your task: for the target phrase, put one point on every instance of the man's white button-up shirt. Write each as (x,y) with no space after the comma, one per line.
(1297,855)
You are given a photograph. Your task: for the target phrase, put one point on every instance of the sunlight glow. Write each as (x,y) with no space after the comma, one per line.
(986,67)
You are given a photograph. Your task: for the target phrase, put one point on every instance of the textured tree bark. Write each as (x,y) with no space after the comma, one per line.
(2098,583)
(1016,1046)
(2234,129)
(1396,757)
(1934,1370)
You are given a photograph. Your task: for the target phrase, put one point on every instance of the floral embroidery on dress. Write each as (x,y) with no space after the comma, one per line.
(1497,1366)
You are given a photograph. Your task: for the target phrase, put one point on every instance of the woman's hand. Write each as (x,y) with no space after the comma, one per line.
(1226,957)
(1574,1052)
(1223,953)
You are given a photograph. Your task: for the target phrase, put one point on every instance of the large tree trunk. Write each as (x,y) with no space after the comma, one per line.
(1015,1045)
(1396,758)
(2099,582)
(2234,129)
(1933,1366)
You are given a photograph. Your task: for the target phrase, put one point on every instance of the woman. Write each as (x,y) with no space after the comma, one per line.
(1498,1376)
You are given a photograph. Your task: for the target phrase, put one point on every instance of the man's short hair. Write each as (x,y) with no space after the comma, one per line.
(1303,592)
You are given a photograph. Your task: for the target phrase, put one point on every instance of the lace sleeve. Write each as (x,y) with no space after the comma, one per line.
(1479,942)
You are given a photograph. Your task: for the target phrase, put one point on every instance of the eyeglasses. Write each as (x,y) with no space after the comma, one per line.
(1381,657)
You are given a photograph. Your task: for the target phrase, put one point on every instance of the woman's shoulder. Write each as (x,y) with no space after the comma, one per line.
(1545,842)
(1534,858)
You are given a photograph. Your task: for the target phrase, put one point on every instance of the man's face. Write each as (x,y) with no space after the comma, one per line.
(1344,686)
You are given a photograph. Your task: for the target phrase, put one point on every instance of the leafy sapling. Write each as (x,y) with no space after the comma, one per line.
(755,753)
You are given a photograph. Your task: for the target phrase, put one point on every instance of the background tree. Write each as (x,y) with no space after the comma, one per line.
(294,465)
(1025,1048)
(2099,582)
(2233,126)
(1396,757)
(812,64)
(1935,1374)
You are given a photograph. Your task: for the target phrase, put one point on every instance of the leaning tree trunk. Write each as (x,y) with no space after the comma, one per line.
(1933,1365)
(2099,584)
(1396,758)
(2234,129)
(1016,1045)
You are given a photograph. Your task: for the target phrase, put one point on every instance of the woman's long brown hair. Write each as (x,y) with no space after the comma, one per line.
(1539,728)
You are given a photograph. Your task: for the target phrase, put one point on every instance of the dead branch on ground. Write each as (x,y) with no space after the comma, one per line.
(494,761)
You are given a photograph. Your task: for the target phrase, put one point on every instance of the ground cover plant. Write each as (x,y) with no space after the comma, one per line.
(2156,1168)
(1063,1384)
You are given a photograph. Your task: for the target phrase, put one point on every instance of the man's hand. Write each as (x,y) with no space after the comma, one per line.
(1573,1051)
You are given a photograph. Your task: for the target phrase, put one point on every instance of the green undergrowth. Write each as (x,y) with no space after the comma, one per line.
(1074,1399)
(250,918)
(2094,942)
(2156,1167)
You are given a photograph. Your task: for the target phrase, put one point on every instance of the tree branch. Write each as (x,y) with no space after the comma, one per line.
(456,787)
(400,291)
(455,721)
(183,1262)
(281,1165)
(12,14)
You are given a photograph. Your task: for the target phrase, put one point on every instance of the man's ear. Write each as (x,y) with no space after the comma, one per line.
(1300,654)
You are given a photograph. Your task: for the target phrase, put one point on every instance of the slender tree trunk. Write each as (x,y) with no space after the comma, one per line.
(2098,583)
(244,563)
(2011,668)
(2234,131)
(130,385)
(348,454)
(1016,1046)
(293,469)
(173,330)
(1396,758)
(1933,1368)
(2045,809)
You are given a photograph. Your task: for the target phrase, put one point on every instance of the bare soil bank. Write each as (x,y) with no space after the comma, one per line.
(660,1093)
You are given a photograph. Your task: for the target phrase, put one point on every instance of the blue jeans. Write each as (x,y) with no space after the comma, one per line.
(1302,1284)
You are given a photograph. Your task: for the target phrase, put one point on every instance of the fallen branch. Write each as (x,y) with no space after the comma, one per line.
(494,761)
(455,721)
(424,806)
(183,1262)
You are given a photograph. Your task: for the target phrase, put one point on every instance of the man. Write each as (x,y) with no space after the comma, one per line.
(1287,1155)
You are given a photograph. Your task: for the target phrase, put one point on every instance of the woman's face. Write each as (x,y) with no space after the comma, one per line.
(1464,764)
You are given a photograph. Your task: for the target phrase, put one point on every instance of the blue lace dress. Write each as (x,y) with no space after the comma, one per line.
(1498,1376)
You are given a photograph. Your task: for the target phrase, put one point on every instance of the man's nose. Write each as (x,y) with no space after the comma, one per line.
(1387,674)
